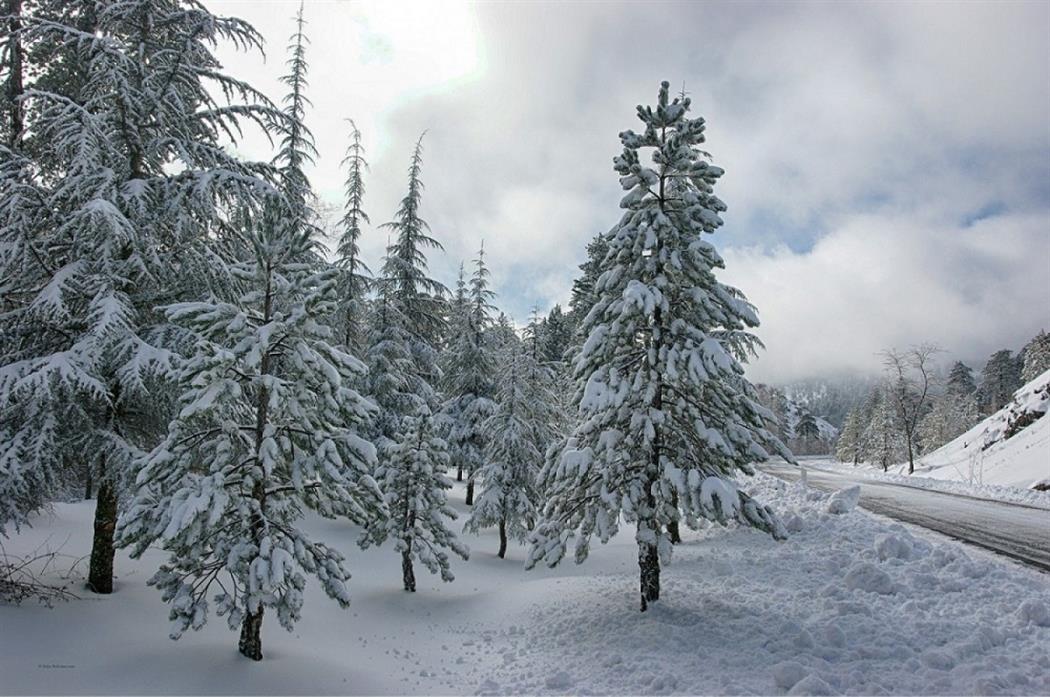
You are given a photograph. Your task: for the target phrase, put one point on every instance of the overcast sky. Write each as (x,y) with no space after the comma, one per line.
(887,164)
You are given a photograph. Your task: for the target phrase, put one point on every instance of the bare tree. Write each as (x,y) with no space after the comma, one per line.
(910,374)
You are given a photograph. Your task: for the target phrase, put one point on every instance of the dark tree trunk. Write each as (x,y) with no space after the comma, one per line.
(459,472)
(407,574)
(649,566)
(502,538)
(14,77)
(100,569)
(89,484)
(250,644)
(673,532)
(470,492)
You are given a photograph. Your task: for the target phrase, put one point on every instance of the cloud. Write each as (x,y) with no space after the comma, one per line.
(879,282)
(840,126)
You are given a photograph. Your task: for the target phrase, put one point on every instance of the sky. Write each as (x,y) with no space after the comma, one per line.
(887,164)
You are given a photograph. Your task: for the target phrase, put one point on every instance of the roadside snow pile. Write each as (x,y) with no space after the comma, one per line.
(848,605)
(1009,448)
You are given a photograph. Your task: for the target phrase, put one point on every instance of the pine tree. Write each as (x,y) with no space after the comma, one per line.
(122,208)
(556,336)
(850,441)
(583,287)
(413,479)
(355,282)
(960,380)
(1036,357)
(420,298)
(509,497)
(471,378)
(883,444)
(666,415)
(267,429)
(1000,378)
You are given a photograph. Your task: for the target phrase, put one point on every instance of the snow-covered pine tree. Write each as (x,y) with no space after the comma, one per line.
(556,336)
(849,445)
(470,380)
(356,280)
(419,298)
(1036,357)
(268,427)
(1000,378)
(583,286)
(666,415)
(458,327)
(960,380)
(509,497)
(883,444)
(122,210)
(412,476)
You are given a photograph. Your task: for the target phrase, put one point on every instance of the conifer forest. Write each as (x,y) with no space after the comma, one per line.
(524,348)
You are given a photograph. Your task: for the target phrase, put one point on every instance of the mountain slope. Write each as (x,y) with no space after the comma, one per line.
(1009,448)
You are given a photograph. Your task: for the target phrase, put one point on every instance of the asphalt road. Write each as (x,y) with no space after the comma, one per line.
(1014,530)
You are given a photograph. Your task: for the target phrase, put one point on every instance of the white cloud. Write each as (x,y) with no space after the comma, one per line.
(878,282)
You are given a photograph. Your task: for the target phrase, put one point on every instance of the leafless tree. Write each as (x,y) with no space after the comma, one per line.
(911,375)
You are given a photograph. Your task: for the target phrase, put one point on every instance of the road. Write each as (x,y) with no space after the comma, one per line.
(1014,530)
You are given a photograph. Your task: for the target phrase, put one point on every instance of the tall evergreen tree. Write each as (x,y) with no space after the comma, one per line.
(471,377)
(1036,357)
(666,415)
(883,444)
(556,336)
(960,380)
(509,497)
(419,297)
(583,287)
(849,446)
(1000,378)
(355,282)
(122,208)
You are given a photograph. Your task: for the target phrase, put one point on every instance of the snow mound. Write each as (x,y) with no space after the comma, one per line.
(844,501)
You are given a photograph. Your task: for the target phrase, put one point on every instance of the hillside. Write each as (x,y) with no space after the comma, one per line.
(1009,448)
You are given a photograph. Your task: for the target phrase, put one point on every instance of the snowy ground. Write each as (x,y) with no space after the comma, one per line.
(849,604)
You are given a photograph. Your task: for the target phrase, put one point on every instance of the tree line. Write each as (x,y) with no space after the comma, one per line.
(915,411)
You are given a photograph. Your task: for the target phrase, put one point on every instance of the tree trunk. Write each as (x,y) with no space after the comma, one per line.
(649,566)
(407,574)
(470,491)
(502,538)
(14,77)
(89,485)
(673,532)
(250,644)
(100,569)
(459,472)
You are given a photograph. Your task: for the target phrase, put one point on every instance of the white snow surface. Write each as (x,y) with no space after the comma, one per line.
(849,604)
